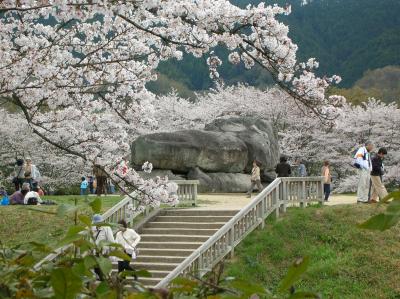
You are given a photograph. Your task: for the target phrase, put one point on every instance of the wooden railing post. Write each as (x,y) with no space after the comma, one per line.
(194,203)
(232,241)
(303,200)
(321,191)
(277,203)
(200,262)
(283,195)
(260,214)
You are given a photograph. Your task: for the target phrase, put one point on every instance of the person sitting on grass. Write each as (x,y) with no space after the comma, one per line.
(3,191)
(4,197)
(32,198)
(40,191)
(17,198)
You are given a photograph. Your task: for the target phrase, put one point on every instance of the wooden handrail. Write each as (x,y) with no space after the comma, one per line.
(187,182)
(116,213)
(272,198)
(187,190)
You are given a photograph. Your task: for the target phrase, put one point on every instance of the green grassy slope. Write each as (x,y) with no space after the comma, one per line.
(346,262)
(22,224)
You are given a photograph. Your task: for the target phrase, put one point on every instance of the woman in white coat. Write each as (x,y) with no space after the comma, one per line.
(129,239)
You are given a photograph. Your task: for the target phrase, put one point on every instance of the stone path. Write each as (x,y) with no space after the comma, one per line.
(236,201)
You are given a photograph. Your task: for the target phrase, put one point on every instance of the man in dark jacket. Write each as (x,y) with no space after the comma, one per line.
(283,168)
(377,187)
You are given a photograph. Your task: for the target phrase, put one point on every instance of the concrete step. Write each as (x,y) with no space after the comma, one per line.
(154,274)
(165,252)
(158,259)
(149,281)
(179,231)
(156,266)
(172,238)
(203,219)
(202,225)
(158,273)
(172,245)
(196,212)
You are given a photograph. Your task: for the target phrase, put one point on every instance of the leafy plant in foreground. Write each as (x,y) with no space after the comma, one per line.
(387,219)
(72,274)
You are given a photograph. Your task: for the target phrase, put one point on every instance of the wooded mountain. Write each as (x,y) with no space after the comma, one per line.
(348,37)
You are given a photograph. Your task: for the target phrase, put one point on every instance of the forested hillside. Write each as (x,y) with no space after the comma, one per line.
(348,37)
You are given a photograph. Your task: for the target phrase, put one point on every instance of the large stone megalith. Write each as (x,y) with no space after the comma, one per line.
(259,137)
(183,150)
(220,156)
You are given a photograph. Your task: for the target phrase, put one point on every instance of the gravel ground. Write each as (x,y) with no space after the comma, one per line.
(236,201)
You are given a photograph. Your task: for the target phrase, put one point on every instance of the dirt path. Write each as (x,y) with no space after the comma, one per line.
(236,201)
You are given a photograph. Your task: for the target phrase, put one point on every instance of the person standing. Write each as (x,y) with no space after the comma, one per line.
(111,186)
(255,179)
(31,174)
(362,161)
(91,184)
(101,234)
(378,188)
(19,176)
(101,178)
(84,186)
(128,239)
(326,173)
(301,168)
(283,168)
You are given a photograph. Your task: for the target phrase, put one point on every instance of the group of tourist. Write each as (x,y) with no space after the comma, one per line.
(90,185)
(371,169)
(370,186)
(26,178)
(26,172)
(125,236)
(24,196)
(99,183)
(284,169)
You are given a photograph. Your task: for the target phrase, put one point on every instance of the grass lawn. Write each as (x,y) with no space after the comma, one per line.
(22,224)
(346,262)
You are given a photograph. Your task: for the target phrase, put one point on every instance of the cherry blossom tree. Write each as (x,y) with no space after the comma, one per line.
(57,168)
(77,69)
(301,134)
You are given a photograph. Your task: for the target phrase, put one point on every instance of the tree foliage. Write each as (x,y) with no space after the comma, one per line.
(349,37)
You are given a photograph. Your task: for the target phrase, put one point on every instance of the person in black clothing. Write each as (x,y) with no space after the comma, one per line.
(377,187)
(283,168)
(19,178)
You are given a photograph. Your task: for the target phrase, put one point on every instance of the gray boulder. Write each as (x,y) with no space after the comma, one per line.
(161,173)
(180,151)
(220,182)
(259,137)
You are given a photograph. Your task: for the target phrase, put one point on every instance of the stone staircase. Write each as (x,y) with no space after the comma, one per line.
(173,235)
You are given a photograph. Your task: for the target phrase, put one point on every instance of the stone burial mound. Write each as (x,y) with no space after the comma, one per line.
(220,156)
